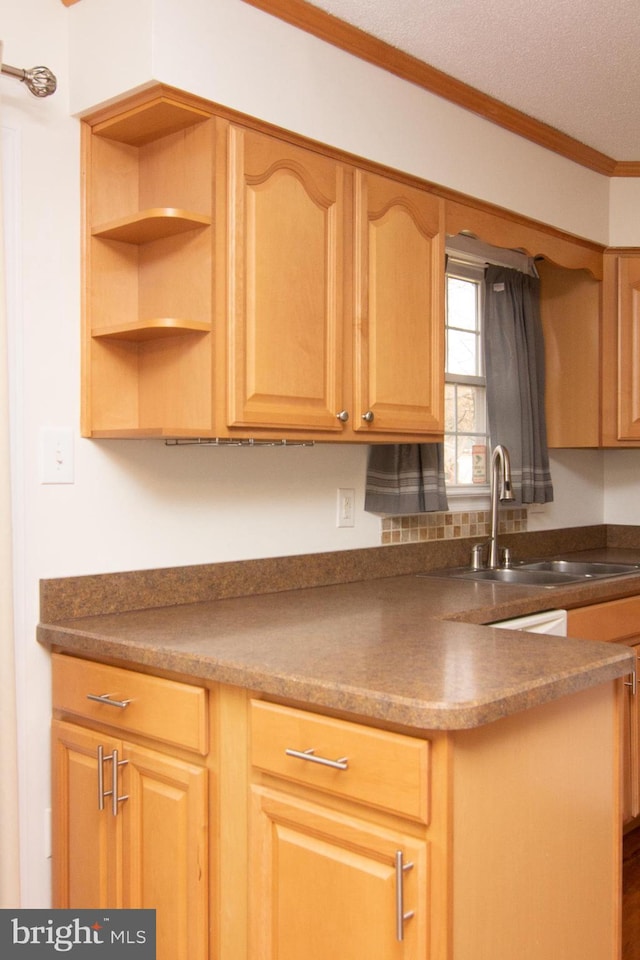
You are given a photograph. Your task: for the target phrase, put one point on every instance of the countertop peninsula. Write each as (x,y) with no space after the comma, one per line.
(408,650)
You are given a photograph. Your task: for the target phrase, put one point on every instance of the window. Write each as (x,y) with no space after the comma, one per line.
(466,440)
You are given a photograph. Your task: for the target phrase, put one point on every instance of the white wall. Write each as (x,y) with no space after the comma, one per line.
(42,206)
(140,504)
(624,212)
(234,54)
(622,486)
(578,488)
(136,505)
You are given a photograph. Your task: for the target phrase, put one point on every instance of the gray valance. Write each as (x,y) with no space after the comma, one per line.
(405,478)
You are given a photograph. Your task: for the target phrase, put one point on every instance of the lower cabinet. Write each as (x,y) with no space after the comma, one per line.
(262,831)
(330,879)
(130,823)
(618,621)
(331,885)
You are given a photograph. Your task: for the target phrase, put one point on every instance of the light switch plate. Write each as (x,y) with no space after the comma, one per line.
(56,455)
(346,507)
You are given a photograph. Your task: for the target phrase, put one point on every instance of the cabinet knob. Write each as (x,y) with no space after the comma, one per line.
(343,416)
(368,416)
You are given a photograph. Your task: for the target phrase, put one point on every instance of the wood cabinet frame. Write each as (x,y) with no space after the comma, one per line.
(621,348)
(541,786)
(166,371)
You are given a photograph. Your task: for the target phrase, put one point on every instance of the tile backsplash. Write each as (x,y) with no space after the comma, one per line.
(447,525)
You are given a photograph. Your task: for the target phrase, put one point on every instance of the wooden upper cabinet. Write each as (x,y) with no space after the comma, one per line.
(629,348)
(399,308)
(570,306)
(514,232)
(336,285)
(571,272)
(147,265)
(240,282)
(621,349)
(286,255)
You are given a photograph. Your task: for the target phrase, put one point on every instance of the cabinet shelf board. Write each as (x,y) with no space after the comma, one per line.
(153,224)
(151,121)
(152,329)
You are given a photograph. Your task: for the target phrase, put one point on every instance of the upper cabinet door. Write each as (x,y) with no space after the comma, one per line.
(399,292)
(286,262)
(629,348)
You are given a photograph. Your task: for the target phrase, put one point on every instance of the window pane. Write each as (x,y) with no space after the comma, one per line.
(470,408)
(461,303)
(462,353)
(450,459)
(449,408)
(466,440)
(464,464)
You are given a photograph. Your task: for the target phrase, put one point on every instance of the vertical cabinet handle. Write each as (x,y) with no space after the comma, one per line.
(115,798)
(401,916)
(114,792)
(632,683)
(101,793)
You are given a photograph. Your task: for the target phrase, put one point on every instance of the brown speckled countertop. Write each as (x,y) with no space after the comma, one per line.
(404,649)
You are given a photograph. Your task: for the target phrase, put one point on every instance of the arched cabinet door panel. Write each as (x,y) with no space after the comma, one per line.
(286,285)
(399,292)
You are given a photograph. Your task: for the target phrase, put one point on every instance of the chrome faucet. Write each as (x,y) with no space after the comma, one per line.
(500,490)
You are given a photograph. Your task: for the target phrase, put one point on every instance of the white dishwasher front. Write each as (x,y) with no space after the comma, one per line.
(553,622)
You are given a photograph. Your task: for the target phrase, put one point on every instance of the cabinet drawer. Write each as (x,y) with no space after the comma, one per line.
(164,710)
(381,769)
(617,620)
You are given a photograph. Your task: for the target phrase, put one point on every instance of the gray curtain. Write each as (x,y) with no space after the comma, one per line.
(405,478)
(515,373)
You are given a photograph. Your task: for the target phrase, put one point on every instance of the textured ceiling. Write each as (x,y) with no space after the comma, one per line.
(573,64)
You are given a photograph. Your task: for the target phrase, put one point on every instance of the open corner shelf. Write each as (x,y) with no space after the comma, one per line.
(149,225)
(150,121)
(152,329)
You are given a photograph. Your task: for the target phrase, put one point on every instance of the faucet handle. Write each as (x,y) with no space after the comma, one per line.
(507,563)
(477,558)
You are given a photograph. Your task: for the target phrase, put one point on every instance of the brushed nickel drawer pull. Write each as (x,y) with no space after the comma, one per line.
(401,916)
(632,683)
(341,764)
(107,699)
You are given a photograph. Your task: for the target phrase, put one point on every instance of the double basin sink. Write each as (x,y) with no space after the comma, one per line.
(546,573)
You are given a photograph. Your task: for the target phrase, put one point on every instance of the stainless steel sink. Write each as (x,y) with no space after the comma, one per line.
(545,573)
(518,575)
(582,568)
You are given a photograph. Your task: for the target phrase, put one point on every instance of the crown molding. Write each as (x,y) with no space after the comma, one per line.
(351,39)
(627,168)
